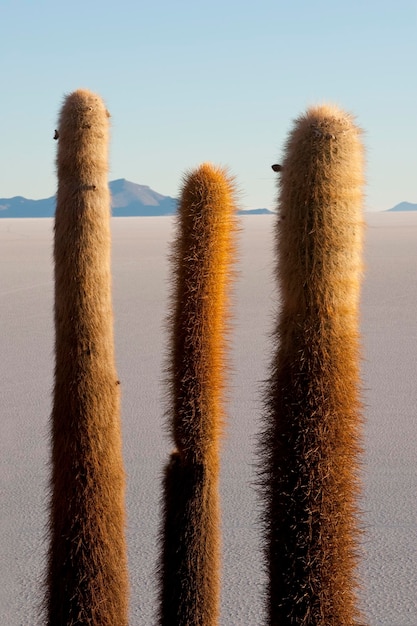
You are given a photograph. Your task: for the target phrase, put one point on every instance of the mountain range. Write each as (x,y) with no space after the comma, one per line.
(127,200)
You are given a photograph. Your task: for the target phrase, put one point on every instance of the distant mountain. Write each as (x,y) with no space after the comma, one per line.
(22,207)
(256,212)
(128,199)
(404,206)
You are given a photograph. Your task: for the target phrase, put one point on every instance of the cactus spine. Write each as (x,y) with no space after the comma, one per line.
(311,441)
(87,572)
(202,254)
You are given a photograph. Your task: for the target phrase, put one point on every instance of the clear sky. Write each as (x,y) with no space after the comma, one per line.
(188,81)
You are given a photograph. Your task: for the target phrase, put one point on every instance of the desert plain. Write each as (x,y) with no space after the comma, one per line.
(141,287)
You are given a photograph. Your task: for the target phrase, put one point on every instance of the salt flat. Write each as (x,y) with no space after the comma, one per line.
(140,286)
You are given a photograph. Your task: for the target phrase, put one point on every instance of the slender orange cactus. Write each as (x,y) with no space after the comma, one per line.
(311,444)
(202,256)
(87,575)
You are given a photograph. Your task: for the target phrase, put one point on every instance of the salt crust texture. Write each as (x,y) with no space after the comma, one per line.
(140,287)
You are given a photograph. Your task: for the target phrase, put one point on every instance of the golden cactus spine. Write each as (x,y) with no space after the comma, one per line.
(202,257)
(311,443)
(87,572)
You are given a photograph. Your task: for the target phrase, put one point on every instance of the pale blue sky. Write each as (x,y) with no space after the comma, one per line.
(189,81)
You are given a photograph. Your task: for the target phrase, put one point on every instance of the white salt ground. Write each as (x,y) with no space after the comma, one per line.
(140,285)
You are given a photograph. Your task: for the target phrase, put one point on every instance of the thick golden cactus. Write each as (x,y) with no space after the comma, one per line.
(311,444)
(202,256)
(87,575)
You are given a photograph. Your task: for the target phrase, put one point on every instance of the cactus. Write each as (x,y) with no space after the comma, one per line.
(202,255)
(311,443)
(87,571)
